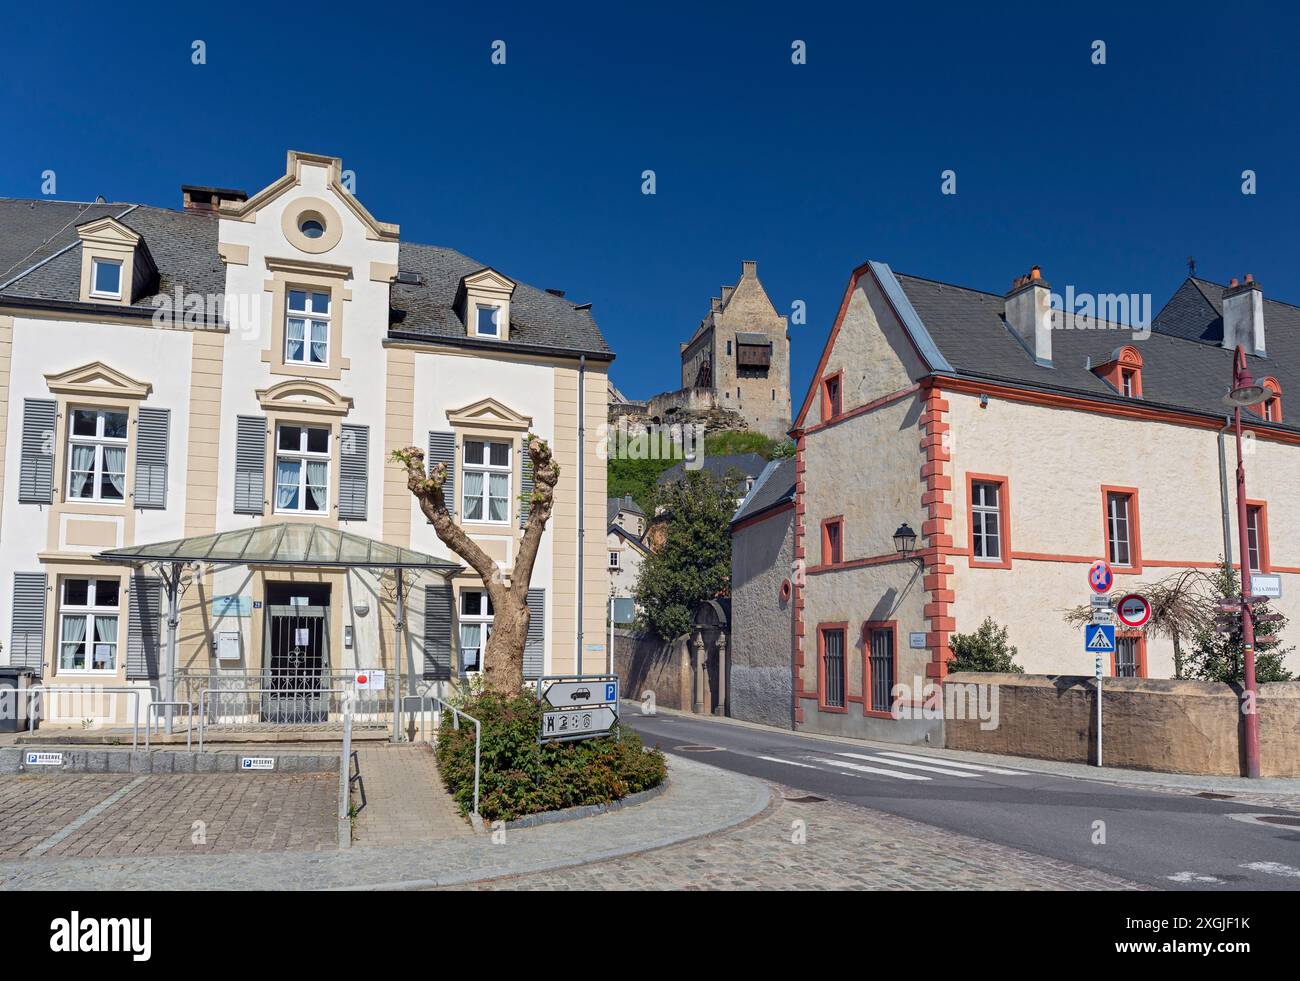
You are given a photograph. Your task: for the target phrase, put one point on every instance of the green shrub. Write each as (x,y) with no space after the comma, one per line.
(520,777)
(985,650)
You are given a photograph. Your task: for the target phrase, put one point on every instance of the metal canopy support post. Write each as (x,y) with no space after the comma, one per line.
(397,658)
(171,580)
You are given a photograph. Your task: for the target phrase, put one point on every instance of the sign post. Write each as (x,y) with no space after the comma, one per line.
(577,706)
(1099,639)
(1099,710)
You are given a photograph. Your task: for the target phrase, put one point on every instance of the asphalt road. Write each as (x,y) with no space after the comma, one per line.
(1166,840)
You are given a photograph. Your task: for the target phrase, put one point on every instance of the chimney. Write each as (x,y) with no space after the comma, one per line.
(1028,312)
(208,199)
(726,294)
(1243,316)
(748,267)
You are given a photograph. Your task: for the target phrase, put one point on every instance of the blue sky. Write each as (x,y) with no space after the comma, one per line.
(1107,176)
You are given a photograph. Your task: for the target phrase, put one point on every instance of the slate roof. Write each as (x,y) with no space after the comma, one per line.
(184,248)
(613,505)
(774,487)
(749,464)
(1183,366)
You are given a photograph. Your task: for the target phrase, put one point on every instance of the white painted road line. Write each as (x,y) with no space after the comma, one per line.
(871,769)
(773,759)
(954,763)
(1273,868)
(910,766)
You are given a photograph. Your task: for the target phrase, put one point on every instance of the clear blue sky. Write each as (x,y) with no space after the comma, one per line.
(1108,176)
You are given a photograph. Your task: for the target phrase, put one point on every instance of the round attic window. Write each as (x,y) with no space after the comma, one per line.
(311,226)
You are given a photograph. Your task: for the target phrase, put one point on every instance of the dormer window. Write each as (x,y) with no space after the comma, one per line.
(1122,371)
(307,328)
(1128,382)
(106,278)
(488,324)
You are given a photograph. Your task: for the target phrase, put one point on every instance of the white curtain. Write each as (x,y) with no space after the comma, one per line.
(317,475)
(294,339)
(473,495)
(115,470)
(498,489)
(470,652)
(83,465)
(286,484)
(74,636)
(319,339)
(105,642)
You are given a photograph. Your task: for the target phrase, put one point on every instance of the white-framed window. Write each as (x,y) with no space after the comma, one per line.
(1128,378)
(613,560)
(1255,537)
(307,328)
(88,622)
(1119,535)
(97,455)
(302,469)
(986,520)
(475,627)
(106,278)
(486,470)
(487,322)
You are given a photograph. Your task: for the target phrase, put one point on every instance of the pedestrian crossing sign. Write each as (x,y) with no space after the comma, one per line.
(1099,638)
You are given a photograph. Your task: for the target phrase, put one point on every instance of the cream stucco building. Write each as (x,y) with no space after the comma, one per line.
(1021,445)
(250,363)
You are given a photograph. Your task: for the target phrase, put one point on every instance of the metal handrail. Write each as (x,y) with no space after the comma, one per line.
(478,736)
(149,721)
(203,699)
(91,690)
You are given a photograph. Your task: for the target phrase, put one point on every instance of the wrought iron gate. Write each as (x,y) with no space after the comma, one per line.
(297,664)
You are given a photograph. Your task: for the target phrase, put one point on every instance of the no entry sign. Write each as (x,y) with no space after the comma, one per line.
(1133,610)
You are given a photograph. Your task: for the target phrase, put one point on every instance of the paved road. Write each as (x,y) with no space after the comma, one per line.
(1166,840)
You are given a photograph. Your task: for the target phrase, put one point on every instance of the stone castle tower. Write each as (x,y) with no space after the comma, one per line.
(738,359)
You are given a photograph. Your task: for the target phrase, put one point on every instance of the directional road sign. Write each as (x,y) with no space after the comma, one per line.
(564,694)
(577,723)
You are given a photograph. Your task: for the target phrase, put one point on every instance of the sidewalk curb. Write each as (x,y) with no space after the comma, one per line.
(585,810)
(1115,776)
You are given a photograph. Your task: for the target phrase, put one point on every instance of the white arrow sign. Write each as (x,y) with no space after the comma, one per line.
(571,723)
(564,694)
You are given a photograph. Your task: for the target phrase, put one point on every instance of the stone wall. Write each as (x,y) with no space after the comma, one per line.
(1147,723)
(761,681)
(648,664)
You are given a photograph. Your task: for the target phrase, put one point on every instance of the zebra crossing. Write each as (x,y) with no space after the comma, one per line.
(895,765)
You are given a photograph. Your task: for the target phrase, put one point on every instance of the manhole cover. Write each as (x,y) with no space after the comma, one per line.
(698,749)
(1209,796)
(806,799)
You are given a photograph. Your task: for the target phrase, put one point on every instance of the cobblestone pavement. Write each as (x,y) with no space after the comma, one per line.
(844,847)
(400,798)
(163,814)
(1285,802)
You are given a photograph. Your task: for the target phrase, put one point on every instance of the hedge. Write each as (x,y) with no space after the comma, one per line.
(520,777)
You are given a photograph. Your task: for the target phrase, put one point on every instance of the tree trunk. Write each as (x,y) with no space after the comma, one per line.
(503,658)
(1178,656)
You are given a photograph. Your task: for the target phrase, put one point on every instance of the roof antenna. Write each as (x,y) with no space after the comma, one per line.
(1191,267)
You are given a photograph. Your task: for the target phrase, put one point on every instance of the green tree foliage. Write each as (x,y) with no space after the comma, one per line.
(986,650)
(1219,657)
(739,441)
(693,564)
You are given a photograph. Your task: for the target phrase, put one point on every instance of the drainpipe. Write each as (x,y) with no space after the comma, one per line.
(582,453)
(1223,491)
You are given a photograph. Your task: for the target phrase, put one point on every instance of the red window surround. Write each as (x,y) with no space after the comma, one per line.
(832,396)
(1271,408)
(891,627)
(833,540)
(1123,372)
(1003,561)
(1141,639)
(1133,531)
(1257,519)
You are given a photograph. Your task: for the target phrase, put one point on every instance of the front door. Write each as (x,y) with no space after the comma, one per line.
(296,651)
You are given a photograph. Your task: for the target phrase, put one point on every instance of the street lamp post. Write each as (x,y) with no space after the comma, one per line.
(1244,393)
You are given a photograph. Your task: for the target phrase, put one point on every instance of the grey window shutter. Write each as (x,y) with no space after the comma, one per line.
(525,487)
(27,636)
(535,642)
(36,475)
(437,631)
(442,449)
(143,627)
(250,464)
(354,457)
(153,426)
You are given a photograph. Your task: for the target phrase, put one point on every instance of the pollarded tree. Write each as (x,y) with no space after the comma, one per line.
(503,658)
